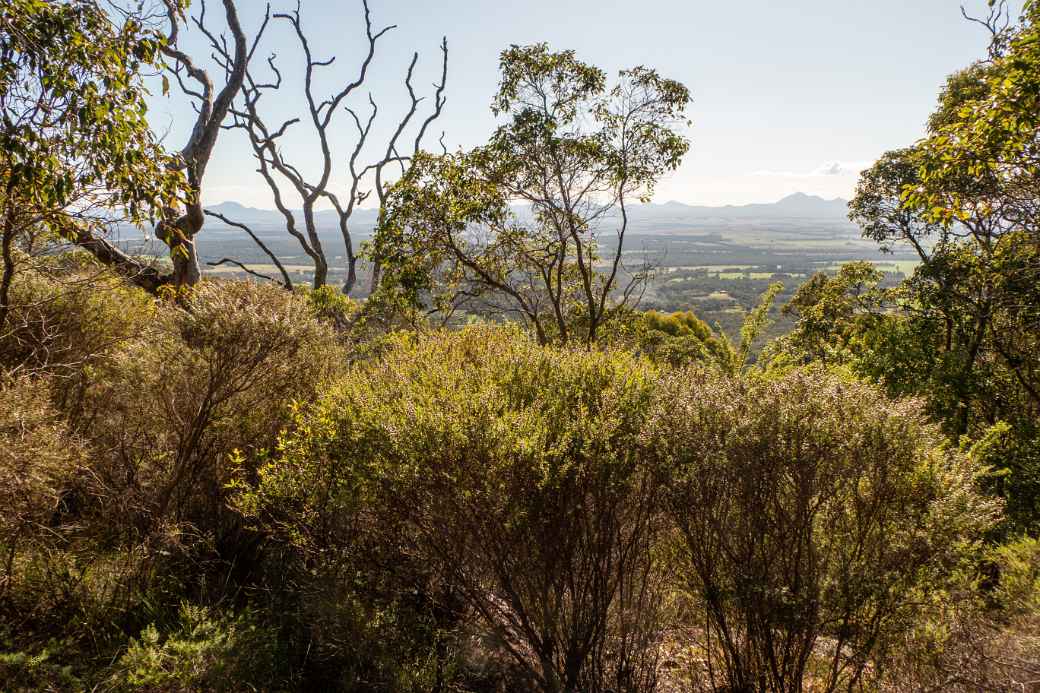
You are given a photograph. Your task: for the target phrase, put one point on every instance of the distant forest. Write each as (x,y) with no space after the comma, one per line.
(489,420)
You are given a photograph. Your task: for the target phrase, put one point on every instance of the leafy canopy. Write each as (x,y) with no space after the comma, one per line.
(514,227)
(74,134)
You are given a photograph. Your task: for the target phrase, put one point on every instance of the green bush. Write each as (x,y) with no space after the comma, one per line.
(203,651)
(514,470)
(1018,591)
(39,461)
(22,672)
(138,520)
(1011,455)
(815,517)
(201,383)
(66,322)
(42,467)
(468,510)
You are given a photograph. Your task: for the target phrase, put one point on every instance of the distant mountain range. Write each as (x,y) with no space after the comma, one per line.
(793,207)
(796,206)
(251,216)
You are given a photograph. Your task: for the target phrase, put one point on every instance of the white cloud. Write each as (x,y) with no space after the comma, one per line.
(828,168)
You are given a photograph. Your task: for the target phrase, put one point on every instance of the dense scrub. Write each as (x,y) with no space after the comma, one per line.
(239,497)
(118,463)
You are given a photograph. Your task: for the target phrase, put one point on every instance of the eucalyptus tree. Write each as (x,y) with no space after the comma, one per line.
(287,179)
(179,227)
(572,155)
(966,199)
(84,62)
(75,147)
(963,331)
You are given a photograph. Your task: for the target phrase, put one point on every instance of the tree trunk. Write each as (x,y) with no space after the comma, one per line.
(8,273)
(321,273)
(348,286)
(377,273)
(186,269)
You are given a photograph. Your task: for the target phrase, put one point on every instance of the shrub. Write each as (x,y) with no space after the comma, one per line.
(814,515)
(203,651)
(1018,562)
(66,322)
(146,525)
(676,339)
(985,637)
(332,306)
(38,462)
(22,672)
(1012,456)
(214,378)
(514,470)
(41,466)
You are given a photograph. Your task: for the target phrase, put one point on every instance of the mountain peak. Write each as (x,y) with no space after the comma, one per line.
(806,197)
(806,202)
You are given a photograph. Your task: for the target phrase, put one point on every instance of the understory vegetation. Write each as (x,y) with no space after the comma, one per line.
(229,494)
(498,473)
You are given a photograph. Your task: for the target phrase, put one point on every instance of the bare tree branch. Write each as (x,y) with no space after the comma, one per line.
(274,258)
(226,260)
(278,172)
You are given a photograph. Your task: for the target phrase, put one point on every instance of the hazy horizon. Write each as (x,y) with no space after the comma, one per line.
(658,202)
(784,100)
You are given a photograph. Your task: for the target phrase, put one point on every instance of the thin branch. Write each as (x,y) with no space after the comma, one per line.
(244,268)
(274,258)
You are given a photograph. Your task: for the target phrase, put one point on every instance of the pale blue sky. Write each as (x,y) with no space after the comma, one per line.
(783,91)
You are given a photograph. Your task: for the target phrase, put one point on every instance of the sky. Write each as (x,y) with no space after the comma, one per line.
(793,96)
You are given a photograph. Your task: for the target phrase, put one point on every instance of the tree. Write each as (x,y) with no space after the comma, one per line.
(276,168)
(830,313)
(682,339)
(99,88)
(181,220)
(574,153)
(75,147)
(963,332)
(966,199)
(178,229)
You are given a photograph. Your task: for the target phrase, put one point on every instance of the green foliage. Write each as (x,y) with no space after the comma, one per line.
(677,339)
(521,459)
(236,487)
(962,331)
(204,651)
(572,149)
(235,355)
(39,459)
(985,134)
(682,339)
(119,482)
(809,511)
(447,509)
(964,199)
(22,672)
(74,127)
(832,312)
(66,321)
(331,306)
(1013,459)
(1019,566)
(753,326)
